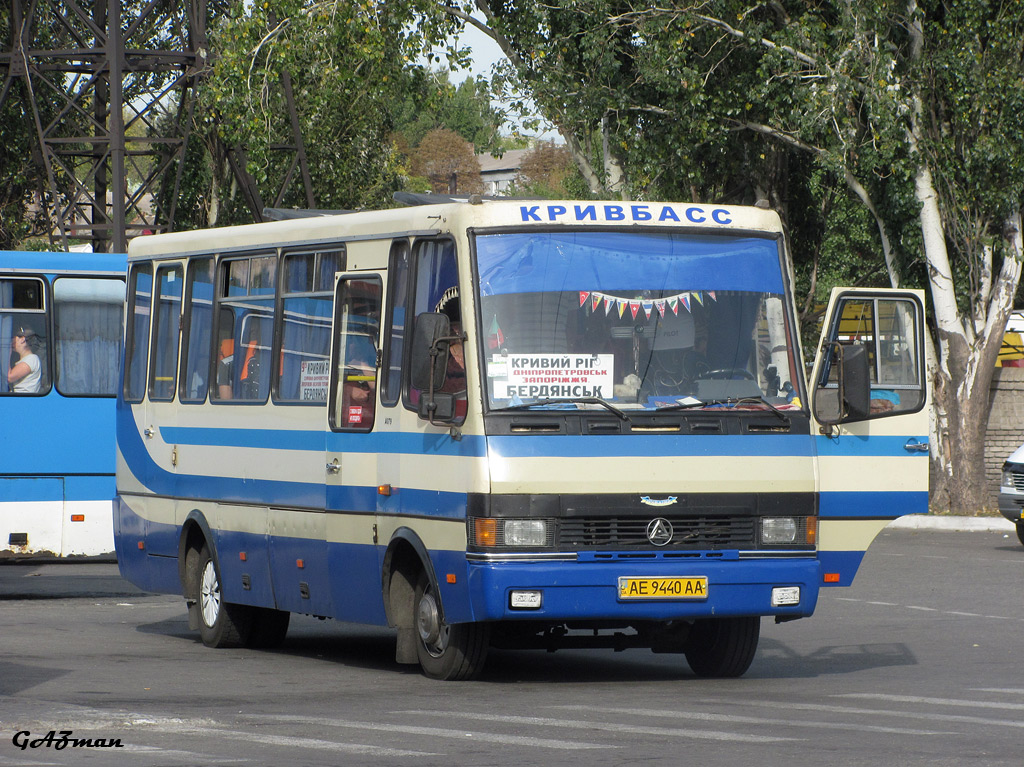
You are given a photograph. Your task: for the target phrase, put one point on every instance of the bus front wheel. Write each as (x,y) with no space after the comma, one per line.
(446,651)
(722,647)
(220,624)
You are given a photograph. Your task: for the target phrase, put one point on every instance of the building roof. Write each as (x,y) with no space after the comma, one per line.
(511,160)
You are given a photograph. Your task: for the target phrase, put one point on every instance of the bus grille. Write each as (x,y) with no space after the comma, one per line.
(687,533)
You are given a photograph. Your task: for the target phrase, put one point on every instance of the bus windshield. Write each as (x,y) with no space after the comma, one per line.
(643,320)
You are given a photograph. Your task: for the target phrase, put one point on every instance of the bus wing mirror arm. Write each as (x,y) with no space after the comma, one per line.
(431,340)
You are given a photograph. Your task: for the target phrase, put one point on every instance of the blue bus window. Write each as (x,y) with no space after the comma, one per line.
(198,313)
(88,315)
(166,333)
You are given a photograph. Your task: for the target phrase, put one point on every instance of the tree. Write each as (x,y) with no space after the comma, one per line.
(915,108)
(449,162)
(548,171)
(347,65)
(432,101)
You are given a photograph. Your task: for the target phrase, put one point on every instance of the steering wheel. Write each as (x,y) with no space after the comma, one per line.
(729,374)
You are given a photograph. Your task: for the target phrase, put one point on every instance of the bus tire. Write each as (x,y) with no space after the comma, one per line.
(1020,532)
(268,627)
(221,624)
(449,652)
(722,647)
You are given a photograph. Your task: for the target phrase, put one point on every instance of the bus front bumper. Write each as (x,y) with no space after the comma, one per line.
(592,590)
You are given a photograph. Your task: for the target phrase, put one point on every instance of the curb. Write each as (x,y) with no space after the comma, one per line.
(953,524)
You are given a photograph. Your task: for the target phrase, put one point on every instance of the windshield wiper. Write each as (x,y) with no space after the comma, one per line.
(727,401)
(568,400)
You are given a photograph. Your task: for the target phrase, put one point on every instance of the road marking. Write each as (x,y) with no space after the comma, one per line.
(707,717)
(579,724)
(482,737)
(887,713)
(957,613)
(935,701)
(1005,690)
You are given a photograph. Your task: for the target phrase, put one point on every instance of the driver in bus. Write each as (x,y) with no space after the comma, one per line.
(25,375)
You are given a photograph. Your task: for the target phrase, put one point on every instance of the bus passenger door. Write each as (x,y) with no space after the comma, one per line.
(352,447)
(870,403)
(161,413)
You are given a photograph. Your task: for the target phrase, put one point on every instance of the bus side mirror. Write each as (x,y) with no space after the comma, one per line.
(429,351)
(431,340)
(851,399)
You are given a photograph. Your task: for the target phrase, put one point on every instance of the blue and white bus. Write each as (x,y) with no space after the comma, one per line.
(60,335)
(508,424)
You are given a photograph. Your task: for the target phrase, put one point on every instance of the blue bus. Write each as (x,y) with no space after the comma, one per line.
(61,319)
(498,423)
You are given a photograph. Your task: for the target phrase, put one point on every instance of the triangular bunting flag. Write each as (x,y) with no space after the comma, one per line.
(584,295)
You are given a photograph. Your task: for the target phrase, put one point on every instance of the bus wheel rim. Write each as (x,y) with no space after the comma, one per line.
(209,595)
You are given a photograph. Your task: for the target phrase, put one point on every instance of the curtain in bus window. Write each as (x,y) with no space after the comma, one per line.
(137,347)
(165,333)
(6,331)
(199,310)
(306,326)
(87,317)
(305,348)
(246,329)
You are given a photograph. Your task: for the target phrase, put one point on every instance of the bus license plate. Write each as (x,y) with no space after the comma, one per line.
(663,588)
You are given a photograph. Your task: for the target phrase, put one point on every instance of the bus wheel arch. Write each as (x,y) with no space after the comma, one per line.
(405,559)
(220,623)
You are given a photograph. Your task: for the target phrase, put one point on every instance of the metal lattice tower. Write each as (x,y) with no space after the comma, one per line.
(129,71)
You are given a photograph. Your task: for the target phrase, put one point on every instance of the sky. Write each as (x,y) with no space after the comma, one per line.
(485,53)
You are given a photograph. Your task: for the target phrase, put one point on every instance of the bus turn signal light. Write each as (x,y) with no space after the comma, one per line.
(831,577)
(485,532)
(78,517)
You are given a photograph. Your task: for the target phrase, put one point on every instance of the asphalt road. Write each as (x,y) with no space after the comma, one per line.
(917,664)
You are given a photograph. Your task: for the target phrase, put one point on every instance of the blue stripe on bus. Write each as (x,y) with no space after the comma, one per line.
(322,441)
(654,446)
(555,446)
(848,445)
(872,505)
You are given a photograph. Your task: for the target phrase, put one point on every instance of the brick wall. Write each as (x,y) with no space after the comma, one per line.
(1005,423)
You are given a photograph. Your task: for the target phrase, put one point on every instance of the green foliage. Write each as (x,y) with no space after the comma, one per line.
(349,63)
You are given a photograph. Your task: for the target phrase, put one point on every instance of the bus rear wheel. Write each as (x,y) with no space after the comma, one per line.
(221,624)
(722,647)
(446,651)
(1020,532)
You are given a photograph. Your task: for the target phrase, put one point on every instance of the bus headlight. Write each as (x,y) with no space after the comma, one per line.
(525,532)
(776,530)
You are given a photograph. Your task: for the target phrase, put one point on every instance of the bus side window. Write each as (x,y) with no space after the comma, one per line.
(166,335)
(436,289)
(87,317)
(306,293)
(394,339)
(23,337)
(197,331)
(137,333)
(245,328)
(354,382)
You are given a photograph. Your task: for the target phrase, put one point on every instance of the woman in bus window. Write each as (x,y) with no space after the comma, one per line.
(26,374)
